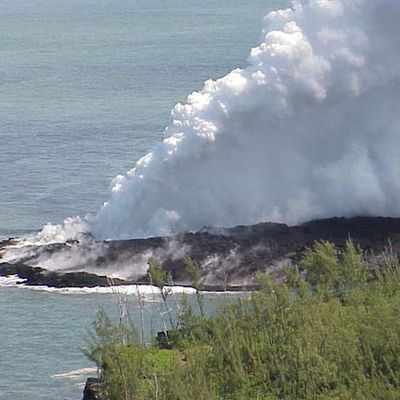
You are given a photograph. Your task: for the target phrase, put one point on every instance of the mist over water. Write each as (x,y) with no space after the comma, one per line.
(309,129)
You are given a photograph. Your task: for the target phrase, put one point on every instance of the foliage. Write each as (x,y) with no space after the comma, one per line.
(334,335)
(193,269)
(158,276)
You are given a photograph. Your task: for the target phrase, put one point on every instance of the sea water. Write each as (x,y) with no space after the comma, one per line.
(86,87)
(43,332)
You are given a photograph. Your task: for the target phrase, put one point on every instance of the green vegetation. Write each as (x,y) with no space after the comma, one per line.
(193,270)
(160,278)
(330,331)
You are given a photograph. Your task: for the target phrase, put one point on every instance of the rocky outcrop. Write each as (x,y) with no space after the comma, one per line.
(93,390)
(228,258)
(36,276)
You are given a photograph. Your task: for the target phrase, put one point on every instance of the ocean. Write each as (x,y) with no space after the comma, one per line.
(43,332)
(86,88)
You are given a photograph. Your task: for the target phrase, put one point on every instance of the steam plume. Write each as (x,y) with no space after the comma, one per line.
(309,129)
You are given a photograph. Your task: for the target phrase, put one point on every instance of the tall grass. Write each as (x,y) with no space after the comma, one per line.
(331,330)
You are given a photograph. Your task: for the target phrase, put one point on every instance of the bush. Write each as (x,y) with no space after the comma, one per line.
(335,335)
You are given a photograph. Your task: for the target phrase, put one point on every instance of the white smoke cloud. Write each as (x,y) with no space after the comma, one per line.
(309,129)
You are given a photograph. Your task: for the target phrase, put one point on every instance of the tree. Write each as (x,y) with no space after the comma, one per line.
(193,269)
(321,263)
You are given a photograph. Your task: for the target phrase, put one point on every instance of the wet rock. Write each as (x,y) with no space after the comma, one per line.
(36,276)
(93,390)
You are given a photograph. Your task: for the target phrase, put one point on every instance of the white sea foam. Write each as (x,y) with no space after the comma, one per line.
(75,374)
(128,290)
(148,291)
(11,280)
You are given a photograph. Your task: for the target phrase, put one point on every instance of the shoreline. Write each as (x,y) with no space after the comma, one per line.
(228,259)
(15,280)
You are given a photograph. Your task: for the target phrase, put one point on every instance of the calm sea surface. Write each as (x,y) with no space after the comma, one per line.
(86,87)
(42,334)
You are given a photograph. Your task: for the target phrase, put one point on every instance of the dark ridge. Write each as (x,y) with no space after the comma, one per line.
(36,276)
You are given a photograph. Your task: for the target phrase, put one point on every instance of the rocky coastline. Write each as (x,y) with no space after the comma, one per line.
(229,258)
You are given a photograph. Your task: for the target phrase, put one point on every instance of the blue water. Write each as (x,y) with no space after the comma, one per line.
(42,334)
(86,88)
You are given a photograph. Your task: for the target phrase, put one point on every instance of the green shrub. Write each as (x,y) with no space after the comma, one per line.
(335,335)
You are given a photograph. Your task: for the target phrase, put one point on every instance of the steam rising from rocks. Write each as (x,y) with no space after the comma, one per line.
(309,129)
